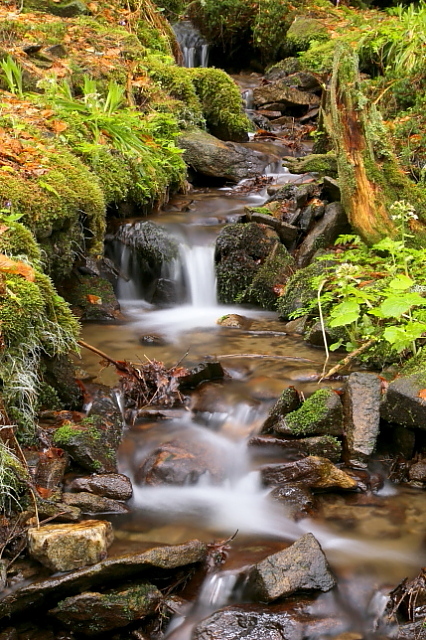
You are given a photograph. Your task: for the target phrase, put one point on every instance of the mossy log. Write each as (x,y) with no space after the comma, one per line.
(370,178)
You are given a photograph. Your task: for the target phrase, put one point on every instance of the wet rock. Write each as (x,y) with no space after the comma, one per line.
(237,623)
(157,558)
(302,566)
(314,335)
(152,340)
(297,194)
(299,292)
(297,326)
(286,232)
(152,247)
(298,498)
(304,81)
(289,401)
(165,293)
(228,160)
(59,511)
(63,547)
(320,414)
(87,444)
(324,233)
(110,485)
(403,442)
(330,189)
(417,471)
(92,298)
(235,321)
(92,613)
(283,69)
(50,471)
(324,446)
(209,398)
(324,164)
(290,100)
(362,415)
(204,372)
(270,279)
(90,503)
(241,249)
(171,463)
(411,631)
(402,403)
(60,374)
(313,471)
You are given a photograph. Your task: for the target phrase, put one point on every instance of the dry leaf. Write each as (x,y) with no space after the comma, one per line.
(44,493)
(422,394)
(94,299)
(3,228)
(57,126)
(16,266)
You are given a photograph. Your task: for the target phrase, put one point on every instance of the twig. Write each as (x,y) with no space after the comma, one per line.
(264,356)
(351,356)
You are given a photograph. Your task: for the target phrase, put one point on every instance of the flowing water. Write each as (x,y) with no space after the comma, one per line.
(194,47)
(371,540)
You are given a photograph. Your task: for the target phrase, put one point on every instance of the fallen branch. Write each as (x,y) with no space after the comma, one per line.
(264,356)
(351,356)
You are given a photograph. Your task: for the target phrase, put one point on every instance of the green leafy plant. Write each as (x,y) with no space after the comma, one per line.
(12,73)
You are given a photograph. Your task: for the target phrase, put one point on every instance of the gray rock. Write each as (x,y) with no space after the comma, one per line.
(92,613)
(228,160)
(411,631)
(333,223)
(330,189)
(313,471)
(289,401)
(238,623)
(403,442)
(297,326)
(63,547)
(280,92)
(361,404)
(283,69)
(286,232)
(87,445)
(71,9)
(402,403)
(320,414)
(417,471)
(204,372)
(302,566)
(109,485)
(90,503)
(299,499)
(325,446)
(235,321)
(51,590)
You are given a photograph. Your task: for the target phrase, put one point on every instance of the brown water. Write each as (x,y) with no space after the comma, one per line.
(372,541)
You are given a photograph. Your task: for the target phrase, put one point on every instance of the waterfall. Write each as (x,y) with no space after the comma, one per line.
(199,275)
(194,47)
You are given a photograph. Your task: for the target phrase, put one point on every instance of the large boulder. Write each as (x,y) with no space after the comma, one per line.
(323,234)
(228,160)
(320,414)
(403,403)
(313,471)
(93,613)
(288,99)
(302,566)
(362,415)
(63,547)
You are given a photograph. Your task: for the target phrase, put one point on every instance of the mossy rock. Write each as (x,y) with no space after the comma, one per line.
(301,291)
(320,414)
(221,102)
(324,164)
(303,31)
(70,9)
(59,377)
(271,276)
(14,481)
(283,68)
(240,251)
(89,444)
(92,298)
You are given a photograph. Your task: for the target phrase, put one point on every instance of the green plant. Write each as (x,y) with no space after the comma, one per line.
(12,73)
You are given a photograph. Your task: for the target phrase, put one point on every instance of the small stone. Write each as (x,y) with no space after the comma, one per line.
(331,189)
(63,547)
(362,415)
(417,471)
(236,321)
(320,414)
(299,499)
(313,472)
(302,566)
(108,485)
(402,403)
(297,326)
(92,613)
(204,372)
(89,503)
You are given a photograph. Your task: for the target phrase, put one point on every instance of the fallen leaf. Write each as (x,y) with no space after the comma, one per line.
(8,265)
(94,299)
(44,493)
(3,228)
(57,126)
(422,394)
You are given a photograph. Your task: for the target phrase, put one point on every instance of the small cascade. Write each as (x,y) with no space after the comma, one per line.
(247,97)
(195,48)
(217,589)
(199,275)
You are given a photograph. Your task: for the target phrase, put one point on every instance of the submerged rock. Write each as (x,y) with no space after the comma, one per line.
(299,499)
(312,471)
(92,613)
(63,547)
(109,485)
(302,566)
(324,446)
(228,160)
(320,414)
(239,623)
(204,372)
(172,463)
(235,321)
(362,415)
(403,403)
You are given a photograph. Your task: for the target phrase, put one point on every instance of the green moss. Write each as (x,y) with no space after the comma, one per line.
(263,210)
(301,291)
(13,481)
(325,164)
(276,270)
(315,409)
(17,240)
(303,31)
(221,103)
(64,435)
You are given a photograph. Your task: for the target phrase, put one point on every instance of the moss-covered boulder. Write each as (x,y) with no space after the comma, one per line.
(320,414)
(303,31)
(67,9)
(270,278)
(241,249)
(91,297)
(300,292)
(92,613)
(221,102)
(325,164)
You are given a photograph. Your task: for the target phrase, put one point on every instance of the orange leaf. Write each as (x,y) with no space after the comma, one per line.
(44,493)
(15,266)
(94,299)
(3,228)
(57,126)
(422,394)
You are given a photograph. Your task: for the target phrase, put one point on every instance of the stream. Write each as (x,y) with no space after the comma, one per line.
(371,540)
